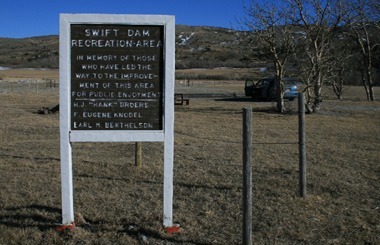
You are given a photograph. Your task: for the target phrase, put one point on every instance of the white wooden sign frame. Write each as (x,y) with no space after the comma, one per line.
(68,136)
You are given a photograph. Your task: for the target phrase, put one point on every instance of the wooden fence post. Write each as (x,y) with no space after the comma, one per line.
(138,154)
(302,145)
(247,176)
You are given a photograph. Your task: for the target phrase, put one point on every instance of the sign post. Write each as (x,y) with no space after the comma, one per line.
(116,85)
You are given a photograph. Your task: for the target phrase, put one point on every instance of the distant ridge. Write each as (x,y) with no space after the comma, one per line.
(196,47)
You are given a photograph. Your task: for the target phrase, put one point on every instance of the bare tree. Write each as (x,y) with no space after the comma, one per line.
(365,20)
(342,61)
(320,20)
(308,31)
(271,38)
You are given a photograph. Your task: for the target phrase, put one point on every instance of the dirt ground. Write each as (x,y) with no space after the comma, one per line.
(118,203)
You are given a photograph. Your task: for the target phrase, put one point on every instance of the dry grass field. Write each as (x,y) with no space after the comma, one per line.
(118,203)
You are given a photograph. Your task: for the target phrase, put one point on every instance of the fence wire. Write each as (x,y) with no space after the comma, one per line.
(28,85)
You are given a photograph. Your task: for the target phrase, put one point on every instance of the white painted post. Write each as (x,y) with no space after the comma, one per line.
(64,111)
(169,122)
(67,184)
(168,182)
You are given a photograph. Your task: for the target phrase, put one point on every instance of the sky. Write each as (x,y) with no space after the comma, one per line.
(28,18)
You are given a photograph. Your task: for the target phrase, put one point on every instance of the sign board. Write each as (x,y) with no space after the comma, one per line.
(116,85)
(116,77)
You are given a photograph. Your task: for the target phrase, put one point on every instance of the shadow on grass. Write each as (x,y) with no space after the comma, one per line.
(45,218)
(32,216)
(37,159)
(141,233)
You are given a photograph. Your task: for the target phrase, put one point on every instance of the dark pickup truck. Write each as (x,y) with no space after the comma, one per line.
(265,89)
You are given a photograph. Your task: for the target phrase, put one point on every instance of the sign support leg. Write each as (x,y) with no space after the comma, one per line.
(67,183)
(168,183)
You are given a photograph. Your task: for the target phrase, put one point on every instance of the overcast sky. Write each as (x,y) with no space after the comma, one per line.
(27,18)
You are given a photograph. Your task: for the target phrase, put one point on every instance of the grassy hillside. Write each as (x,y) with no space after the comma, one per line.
(196,47)
(34,52)
(208,47)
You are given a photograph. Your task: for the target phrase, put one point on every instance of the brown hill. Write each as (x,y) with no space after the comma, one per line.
(33,52)
(196,47)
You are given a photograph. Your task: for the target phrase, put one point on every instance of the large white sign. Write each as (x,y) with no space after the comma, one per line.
(116,85)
